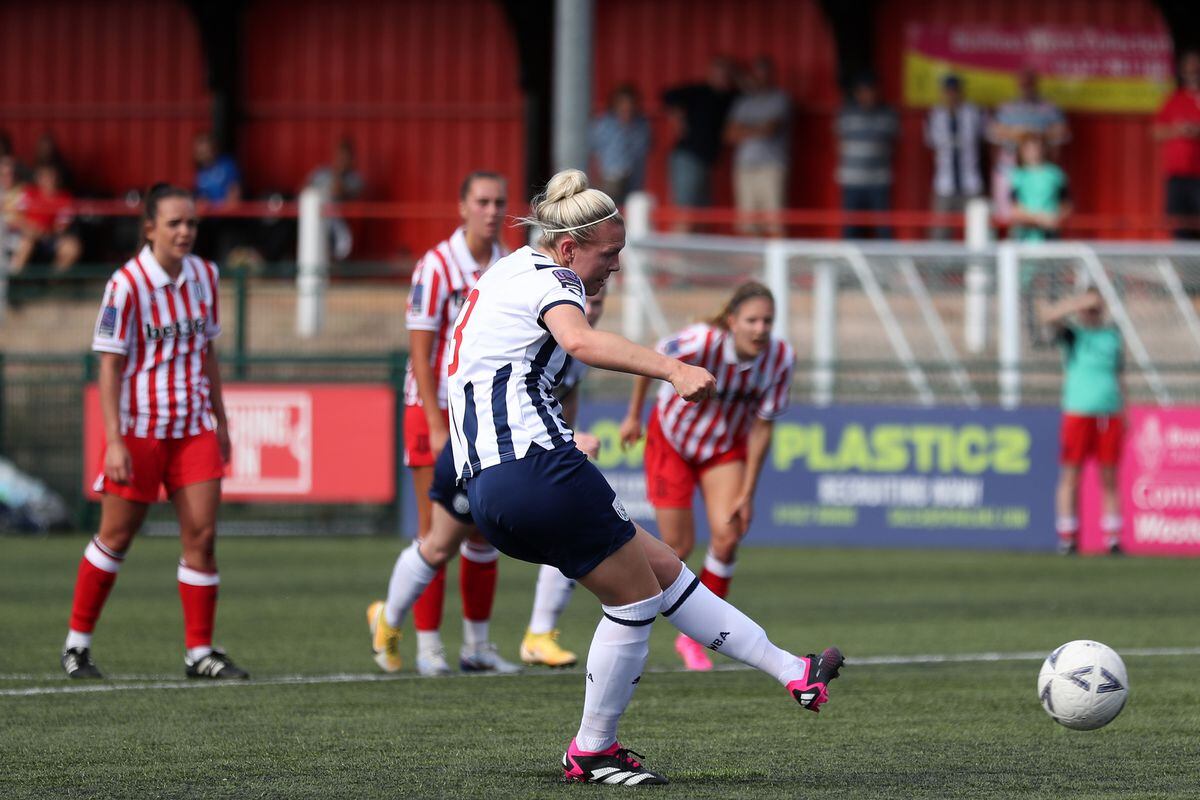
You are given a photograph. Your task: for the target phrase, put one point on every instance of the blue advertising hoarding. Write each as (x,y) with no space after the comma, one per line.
(877,476)
(883,476)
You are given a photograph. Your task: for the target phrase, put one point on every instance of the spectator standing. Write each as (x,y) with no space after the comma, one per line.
(339,182)
(699,111)
(1177,127)
(10,198)
(1040,194)
(866,133)
(1030,113)
(218,179)
(46,153)
(954,131)
(1092,422)
(758,128)
(619,140)
(44,217)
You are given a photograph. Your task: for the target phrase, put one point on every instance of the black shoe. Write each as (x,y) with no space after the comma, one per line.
(1067,547)
(1114,549)
(617,765)
(215,666)
(812,691)
(78,663)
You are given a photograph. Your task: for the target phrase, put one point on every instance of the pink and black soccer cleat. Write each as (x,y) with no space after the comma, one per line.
(812,691)
(695,657)
(614,766)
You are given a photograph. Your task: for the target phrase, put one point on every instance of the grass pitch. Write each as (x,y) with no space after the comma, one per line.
(318,722)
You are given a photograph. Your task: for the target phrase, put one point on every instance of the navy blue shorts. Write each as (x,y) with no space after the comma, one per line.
(552,507)
(445,490)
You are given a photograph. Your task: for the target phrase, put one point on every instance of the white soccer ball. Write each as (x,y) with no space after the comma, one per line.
(1083,685)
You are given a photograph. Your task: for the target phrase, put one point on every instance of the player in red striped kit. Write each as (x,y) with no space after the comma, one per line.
(440,283)
(164,424)
(718,444)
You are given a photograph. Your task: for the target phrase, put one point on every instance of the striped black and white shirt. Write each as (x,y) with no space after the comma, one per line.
(504,365)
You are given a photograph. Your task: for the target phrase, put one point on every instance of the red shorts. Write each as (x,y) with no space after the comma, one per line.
(671,479)
(1084,437)
(417,452)
(167,464)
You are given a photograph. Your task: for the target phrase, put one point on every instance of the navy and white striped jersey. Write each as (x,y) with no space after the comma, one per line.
(504,364)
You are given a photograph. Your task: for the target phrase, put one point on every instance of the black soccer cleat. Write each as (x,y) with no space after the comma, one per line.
(812,691)
(615,766)
(215,666)
(78,663)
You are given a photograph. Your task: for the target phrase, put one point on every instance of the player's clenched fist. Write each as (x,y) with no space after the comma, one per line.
(693,383)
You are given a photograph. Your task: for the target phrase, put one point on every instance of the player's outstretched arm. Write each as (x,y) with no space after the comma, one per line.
(605,350)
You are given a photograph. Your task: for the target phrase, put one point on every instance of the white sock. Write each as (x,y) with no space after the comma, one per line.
(614,667)
(722,569)
(549,599)
(697,612)
(196,653)
(410,576)
(474,634)
(77,639)
(428,641)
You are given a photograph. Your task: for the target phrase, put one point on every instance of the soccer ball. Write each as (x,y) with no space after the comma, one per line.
(1083,685)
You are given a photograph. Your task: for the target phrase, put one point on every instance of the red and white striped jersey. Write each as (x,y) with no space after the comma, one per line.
(163,327)
(440,283)
(745,389)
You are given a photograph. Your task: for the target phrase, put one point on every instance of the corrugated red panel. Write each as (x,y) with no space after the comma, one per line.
(119,85)
(426,91)
(656,45)
(1111,159)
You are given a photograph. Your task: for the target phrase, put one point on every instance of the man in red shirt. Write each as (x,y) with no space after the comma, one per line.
(1177,126)
(44,220)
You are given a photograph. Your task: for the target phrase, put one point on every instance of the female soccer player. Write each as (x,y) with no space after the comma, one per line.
(441,280)
(164,424)
(719,444)
(537,498)
(553,592)
(452,530)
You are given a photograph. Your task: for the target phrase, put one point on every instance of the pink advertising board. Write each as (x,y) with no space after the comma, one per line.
(1159,482)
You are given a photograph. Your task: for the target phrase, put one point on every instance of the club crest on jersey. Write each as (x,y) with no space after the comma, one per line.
(108,321)
(176,330)
(619,507)
(569,280)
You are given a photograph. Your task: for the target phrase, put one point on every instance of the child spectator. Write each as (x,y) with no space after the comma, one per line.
(1040,195)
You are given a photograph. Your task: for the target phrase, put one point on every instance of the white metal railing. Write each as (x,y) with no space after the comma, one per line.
(989,271)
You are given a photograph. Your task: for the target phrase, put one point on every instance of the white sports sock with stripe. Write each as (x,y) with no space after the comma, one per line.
(614,667)
(549,599)
(692,608)
(410,576)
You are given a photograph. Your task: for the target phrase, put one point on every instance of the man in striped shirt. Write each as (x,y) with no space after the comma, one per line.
(866,131)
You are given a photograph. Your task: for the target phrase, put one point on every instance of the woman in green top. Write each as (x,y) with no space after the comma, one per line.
(1092,422)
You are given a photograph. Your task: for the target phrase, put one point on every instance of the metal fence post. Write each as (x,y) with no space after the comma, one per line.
(85,516)
(979,235)
(241,289)
(398,361)
(312,259)
(633,283)
(1008,297)
(775,271)
(824,321)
